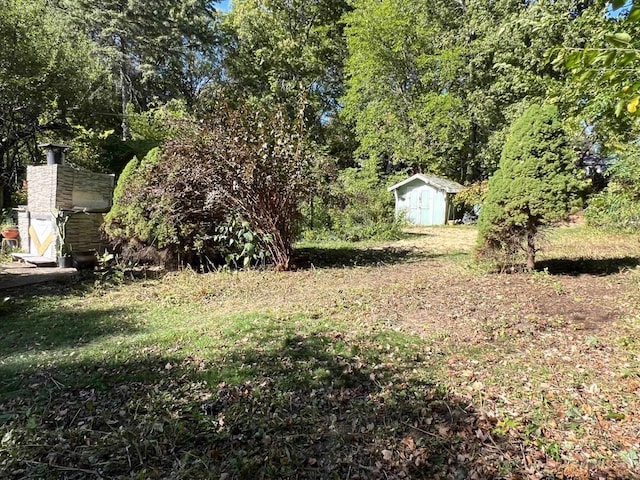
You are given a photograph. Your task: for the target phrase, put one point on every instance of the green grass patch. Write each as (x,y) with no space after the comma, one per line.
(377,363)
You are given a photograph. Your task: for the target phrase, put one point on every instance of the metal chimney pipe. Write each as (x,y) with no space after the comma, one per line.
(56,153)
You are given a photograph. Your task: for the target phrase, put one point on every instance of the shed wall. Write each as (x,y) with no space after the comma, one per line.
(422,204)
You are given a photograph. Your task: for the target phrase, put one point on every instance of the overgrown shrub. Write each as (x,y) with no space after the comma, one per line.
(535,185)
(140,223)
(618,206)
(474,194)
(367,211)
(356,206)
(250,164)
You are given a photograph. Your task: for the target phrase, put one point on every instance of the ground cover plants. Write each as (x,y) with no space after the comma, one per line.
(389,360)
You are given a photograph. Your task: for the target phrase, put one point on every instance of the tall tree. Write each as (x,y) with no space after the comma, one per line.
(281,50)
(46,74)
(434,86)
(157,50)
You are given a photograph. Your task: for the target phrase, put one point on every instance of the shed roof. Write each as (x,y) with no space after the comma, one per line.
(448,186)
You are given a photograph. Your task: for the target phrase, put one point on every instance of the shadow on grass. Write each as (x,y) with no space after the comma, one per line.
(27,328)
(605,266)
(306,406)
(319,257)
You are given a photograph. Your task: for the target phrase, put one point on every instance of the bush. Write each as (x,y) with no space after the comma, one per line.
(618,206)
(474,194)
(535,185)
(368,211)
(191,203)
(356,207)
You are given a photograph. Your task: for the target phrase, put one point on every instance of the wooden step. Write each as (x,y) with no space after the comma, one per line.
(35,259)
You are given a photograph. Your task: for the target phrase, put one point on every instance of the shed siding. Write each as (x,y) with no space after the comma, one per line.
(422,204)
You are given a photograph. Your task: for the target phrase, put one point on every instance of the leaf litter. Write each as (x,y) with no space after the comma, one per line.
(419,369)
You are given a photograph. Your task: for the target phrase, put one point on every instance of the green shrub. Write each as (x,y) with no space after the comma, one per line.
(140,224)
(618,206)
(191,204)
(356,207)
(239,245)
(535,185)
(474,194)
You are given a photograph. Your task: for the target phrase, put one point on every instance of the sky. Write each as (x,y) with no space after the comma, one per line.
(224,5)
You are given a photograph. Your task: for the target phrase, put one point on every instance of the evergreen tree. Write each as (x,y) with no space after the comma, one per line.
(156,50)
(535,185)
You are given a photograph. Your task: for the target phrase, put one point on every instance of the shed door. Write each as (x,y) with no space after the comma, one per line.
(426,207)
(439,206)
(413,212)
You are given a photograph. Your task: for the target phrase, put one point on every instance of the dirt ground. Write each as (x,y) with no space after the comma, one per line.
(537,374)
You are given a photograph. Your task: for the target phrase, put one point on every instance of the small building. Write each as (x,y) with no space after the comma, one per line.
(426,200)
(81,195)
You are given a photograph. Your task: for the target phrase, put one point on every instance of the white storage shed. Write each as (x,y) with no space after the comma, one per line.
(426,200)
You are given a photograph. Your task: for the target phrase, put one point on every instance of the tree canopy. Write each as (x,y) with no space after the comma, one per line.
(47,76)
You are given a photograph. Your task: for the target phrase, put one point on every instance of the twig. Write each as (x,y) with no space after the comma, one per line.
(66,469)
(56,383)
(423,431)
(74,417)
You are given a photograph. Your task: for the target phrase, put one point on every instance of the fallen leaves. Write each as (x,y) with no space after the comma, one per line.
(338,373)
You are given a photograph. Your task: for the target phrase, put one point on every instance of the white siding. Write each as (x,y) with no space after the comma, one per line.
(422,204)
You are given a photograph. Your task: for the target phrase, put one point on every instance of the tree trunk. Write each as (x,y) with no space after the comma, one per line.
(125,91)
(531,250)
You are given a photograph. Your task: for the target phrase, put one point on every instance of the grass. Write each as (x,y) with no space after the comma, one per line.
(389,360)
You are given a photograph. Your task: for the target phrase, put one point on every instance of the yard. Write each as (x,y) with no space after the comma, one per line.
(389,361)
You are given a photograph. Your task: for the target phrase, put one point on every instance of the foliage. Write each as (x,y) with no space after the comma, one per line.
(115,216)
(6,219)
(159,122)
(474,194)
(60,219)
(103,151)
(141,222)
(618,206)
(239,245)
(536,185)
(254,162)
(280,50)
(251,163)
(47,73)
(608,64)
(156,50)
(434,87)
(363,208)
(88,148)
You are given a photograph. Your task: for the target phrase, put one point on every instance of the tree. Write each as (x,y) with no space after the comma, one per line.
(535,185)
(434,86)
(397,81)
(607,66)
(618,206)
(47,73)
(156,50)
(281,50)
